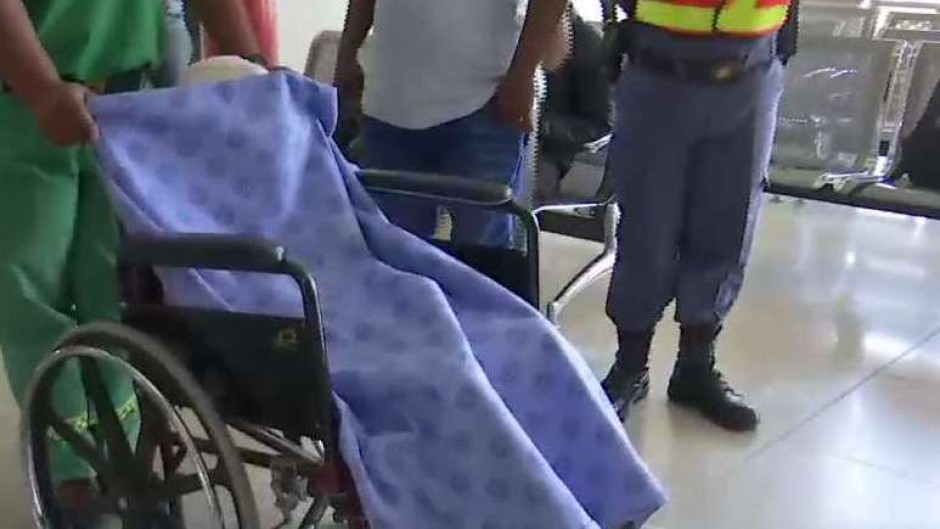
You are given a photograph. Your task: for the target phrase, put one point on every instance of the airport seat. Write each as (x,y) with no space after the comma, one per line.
(587,198)
(925,74)
(321,60)
(831,113)
(911,35)
(896,194)
(907,21)
(835,20)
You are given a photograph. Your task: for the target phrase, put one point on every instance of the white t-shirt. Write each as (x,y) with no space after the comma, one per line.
(433,61)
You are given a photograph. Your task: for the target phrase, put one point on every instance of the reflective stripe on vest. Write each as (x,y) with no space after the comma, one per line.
(704,17)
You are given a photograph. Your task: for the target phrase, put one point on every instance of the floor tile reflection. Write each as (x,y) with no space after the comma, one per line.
(836,318)
(836,341)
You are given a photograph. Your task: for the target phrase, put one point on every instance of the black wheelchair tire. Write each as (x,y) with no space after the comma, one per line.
(154,361)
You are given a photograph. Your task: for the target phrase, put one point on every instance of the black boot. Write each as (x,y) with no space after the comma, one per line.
(696,383)
(628,381)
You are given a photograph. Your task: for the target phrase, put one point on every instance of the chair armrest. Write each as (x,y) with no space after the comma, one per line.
(446,189)
(204,251)
(598,144)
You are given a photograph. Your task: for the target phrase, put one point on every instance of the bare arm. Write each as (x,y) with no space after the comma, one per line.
(559,48)
(59,108)
(541,23)
(348,77)
(515,95)
(228,24)
(359,17)
(24,64)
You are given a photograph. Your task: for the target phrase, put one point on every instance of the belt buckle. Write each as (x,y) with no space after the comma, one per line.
(726,71)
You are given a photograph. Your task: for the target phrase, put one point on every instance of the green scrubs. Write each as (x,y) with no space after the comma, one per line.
(57,231)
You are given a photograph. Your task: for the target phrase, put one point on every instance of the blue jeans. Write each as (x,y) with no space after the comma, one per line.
(475,146)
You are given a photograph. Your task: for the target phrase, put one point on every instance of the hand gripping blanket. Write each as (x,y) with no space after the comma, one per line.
(461,407)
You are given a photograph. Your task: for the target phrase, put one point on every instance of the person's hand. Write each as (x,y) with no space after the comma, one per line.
(348,78)
(63,116)
(513,101)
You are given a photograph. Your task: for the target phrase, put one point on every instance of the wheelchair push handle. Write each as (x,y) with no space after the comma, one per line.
(204,251)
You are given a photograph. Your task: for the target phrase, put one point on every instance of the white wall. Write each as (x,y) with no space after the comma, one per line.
(300,20)
(589,9)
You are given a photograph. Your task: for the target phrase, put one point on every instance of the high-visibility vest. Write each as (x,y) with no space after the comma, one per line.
(709,17)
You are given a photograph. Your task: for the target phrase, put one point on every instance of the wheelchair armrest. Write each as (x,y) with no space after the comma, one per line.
(446,189)
(241,254)
(204,251)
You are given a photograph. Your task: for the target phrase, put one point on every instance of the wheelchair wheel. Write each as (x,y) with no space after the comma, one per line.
(150,483)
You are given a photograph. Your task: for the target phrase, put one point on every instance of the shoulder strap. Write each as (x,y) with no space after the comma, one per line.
(789,34)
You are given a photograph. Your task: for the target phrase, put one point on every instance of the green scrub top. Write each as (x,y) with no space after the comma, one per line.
(90,40)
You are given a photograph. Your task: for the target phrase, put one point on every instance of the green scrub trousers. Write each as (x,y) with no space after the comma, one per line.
(57,265)
(57,231)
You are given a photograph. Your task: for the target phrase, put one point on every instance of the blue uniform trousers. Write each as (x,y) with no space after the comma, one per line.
(689,163)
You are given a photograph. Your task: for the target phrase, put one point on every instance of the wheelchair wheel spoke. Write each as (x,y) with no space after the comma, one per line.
(82,447)
(315,513)
(149,517)
(138,482)
(180,485)
(165,520)
(152,431)
(132,520)
(174,487)
(103,506)
(116,441)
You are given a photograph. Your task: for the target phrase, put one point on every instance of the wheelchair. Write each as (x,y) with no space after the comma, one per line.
(219,392)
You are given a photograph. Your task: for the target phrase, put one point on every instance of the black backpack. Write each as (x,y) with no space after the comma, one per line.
(920,151)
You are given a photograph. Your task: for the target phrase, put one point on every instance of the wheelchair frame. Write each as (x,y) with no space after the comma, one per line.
(170,378)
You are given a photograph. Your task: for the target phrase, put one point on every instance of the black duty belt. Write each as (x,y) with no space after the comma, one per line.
(619,42)
(700,71)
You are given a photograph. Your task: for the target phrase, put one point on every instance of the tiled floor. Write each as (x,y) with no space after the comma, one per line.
(836,339)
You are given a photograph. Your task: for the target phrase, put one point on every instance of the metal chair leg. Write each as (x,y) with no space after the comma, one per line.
(596,269)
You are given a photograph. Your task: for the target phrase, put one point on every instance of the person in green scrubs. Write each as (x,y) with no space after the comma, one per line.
(57,230)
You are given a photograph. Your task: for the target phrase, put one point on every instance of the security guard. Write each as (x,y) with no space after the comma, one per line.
(696,111)
(57,233)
